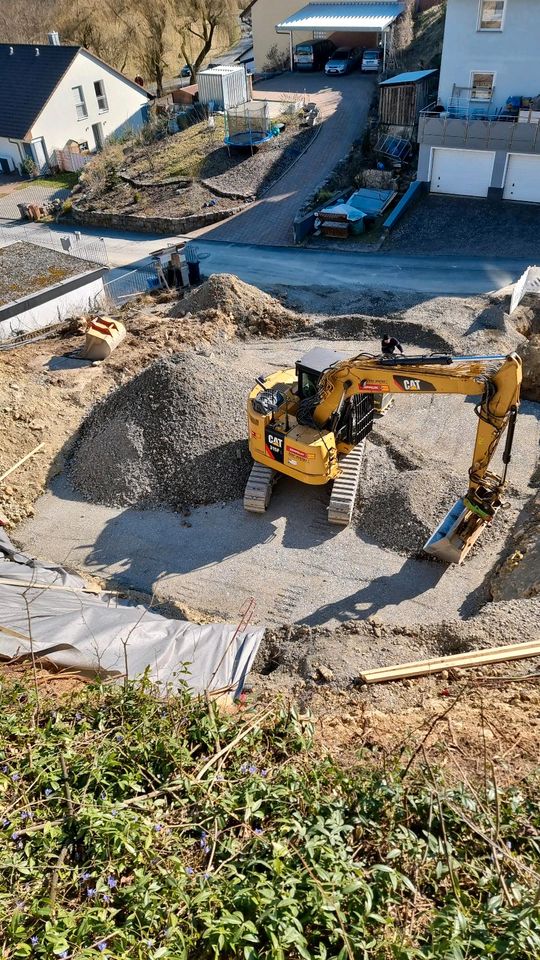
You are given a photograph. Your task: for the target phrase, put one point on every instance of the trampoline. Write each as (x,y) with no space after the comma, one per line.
(249,125)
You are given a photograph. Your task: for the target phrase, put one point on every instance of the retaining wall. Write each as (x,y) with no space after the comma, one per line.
(172,225)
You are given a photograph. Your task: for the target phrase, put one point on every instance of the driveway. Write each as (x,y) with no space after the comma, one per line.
(344,105)
(15,190)
(463,226)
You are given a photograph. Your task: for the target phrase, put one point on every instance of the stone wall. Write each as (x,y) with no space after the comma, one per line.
(172,225)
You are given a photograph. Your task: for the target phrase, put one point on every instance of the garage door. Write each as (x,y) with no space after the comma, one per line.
(522,178)
(466,173)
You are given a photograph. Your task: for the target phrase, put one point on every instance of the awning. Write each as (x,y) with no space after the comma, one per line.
(350,17)
(413,77)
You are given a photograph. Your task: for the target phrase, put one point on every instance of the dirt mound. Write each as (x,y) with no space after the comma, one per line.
(519,573)
(530,354)
(225,296)
(401,506)
(174,435)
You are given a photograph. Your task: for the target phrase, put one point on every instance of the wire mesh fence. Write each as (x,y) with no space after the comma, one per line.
(131,284)
(75,244)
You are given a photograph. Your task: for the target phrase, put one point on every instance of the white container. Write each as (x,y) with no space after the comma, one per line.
(223,87)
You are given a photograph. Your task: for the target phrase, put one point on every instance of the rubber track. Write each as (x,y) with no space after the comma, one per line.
(259,488)
(345,487)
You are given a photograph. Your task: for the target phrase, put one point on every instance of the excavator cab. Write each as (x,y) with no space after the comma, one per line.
(354,419)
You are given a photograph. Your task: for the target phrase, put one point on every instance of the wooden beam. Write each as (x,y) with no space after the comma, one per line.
(21,461)
(475,658)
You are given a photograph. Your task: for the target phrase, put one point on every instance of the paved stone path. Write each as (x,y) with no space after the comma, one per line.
(344,105)
(29,192)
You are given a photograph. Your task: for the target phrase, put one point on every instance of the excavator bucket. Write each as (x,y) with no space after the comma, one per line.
(102,337)
(457,533)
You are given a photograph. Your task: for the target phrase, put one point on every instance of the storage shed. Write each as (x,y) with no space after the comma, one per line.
(223,87)
(401,98)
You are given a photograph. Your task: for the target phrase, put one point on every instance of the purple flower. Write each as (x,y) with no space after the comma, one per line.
(5,768)
(264,773)
(85,875)
(158,827)
(15,777)
(64,955)
(34,940)
(114,813)
(15,835)
(102,945)
(190,871)
(244,768)
(106,898)
(258,831)
(111,882)
(90,891)
(6,822)
(119,738)
(252,768)
(20,905)
(25,815)
(48,791)
(78,716)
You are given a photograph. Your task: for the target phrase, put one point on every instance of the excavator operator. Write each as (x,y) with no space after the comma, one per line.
(389,344)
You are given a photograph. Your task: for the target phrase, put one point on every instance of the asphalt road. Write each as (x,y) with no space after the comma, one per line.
(265,266)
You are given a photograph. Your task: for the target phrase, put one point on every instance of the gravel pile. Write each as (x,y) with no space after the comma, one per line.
(172,436)
(530,354)
(399,507)
(225,296)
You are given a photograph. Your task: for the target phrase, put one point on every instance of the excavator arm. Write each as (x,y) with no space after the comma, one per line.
(496,379)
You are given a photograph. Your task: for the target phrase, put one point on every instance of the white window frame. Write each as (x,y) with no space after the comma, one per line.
(102,101)
(482,29)
(475,73)
(80,104)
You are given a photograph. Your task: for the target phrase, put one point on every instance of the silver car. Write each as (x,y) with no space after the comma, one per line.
(343,60)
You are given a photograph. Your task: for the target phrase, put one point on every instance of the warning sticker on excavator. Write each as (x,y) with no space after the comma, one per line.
(300,454)
(373,386)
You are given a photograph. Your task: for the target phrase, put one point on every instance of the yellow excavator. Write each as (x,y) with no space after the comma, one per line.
(311,422)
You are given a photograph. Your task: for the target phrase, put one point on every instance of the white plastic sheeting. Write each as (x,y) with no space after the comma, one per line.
(47,610)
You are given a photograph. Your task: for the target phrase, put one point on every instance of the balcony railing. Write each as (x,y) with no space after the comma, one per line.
(479,125)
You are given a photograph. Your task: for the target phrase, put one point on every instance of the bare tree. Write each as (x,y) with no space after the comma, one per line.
(197,22)
(27,22)
(404,28)
(154,20)
(101,28)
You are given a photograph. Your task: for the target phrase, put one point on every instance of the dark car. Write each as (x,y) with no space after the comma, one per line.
(312,54)
(185,71)
(343,60)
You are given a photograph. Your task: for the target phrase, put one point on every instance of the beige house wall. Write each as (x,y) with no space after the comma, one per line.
(264,16)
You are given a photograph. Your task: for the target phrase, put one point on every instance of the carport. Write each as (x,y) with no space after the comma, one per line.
(319,20)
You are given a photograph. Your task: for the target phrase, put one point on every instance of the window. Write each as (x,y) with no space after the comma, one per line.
(80,104)
(101,97)
(482,86)
(491,14)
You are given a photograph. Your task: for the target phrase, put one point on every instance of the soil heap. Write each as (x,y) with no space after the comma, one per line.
(530,354)
(224,296)
(172,436)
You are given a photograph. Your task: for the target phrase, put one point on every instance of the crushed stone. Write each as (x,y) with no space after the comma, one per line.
(172,436)
(226,297)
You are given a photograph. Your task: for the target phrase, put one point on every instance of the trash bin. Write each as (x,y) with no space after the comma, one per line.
(194,272)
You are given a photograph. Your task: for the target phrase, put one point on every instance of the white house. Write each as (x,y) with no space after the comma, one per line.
(482,139)
(53,95)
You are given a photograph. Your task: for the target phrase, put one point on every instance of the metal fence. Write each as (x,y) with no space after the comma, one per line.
(131,284)
(75,244)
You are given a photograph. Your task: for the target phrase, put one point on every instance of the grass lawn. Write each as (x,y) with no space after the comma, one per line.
(64,179)
(183,154)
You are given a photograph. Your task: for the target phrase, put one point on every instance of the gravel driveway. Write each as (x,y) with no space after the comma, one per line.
(344,105)
(464,226)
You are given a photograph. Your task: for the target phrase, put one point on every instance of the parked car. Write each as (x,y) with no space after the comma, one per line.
(185,71)
(312,54)
(343,60)
(371,61)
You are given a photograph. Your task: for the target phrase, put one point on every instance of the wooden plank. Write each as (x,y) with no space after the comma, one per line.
(21,461)
(419,668)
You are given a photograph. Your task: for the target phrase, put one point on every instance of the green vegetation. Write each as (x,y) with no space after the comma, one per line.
(146,828)
(61,180)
